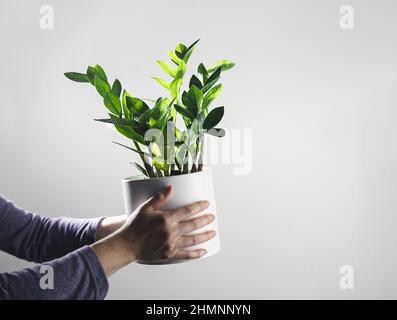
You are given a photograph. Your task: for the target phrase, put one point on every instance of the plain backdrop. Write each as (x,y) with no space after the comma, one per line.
(321,103)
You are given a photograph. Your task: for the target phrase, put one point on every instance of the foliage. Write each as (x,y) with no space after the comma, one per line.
(163,148)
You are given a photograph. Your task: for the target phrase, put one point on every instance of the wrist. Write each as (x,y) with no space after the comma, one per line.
(114,253)
(109,225)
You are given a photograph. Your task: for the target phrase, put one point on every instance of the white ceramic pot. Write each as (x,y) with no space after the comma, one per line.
(187,188)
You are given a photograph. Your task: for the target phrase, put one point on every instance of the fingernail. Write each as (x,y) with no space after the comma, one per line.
(206,203)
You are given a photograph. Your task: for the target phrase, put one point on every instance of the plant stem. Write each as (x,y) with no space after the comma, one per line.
(201,157)
(148,168)
(185,168)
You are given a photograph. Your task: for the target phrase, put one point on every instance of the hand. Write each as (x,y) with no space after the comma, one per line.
(155,234)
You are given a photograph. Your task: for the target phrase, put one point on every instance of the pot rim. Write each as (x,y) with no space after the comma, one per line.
(141,177)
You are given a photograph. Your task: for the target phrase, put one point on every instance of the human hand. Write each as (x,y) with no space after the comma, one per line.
(154,234)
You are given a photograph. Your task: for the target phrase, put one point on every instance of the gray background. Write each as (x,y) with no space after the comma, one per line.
(321,103)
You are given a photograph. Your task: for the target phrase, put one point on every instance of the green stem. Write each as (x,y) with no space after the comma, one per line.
(148,168)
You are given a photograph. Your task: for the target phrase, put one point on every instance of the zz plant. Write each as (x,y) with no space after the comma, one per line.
(163,148)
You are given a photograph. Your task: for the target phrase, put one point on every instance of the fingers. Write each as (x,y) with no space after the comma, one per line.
(186,212)
(187,241)
(194,254)
(196,223)
(159,199)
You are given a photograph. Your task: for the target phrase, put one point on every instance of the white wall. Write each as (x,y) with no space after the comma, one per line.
(321,103)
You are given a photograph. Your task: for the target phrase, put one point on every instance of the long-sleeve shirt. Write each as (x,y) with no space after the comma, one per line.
(68,268)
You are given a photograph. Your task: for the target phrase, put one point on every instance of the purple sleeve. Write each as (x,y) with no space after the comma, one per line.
(34,238)
(78,275)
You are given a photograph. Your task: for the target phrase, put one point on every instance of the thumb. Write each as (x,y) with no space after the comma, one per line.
(157,201)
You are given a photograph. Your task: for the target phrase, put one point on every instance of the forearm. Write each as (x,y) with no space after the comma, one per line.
(78,275)
(114,253)
(36,238)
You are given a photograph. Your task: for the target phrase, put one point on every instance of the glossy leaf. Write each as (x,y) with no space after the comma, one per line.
(101,86)
(214,75)
(184,112)
(180,71)
(91,73)
(180,50)
(136,106)
(203,71)
(140,168)
(101,73)
(116,88)
(209,85)
(213,118)
(130,133)
(112,102)
(194,81)
(211,95)
(76,76)
(164,83)
(174,57)
(175,88)
(189,51)
(167,68)
(132,149)
(195,97)
(223,64)
(126,111)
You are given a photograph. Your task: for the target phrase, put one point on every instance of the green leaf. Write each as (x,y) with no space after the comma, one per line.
(223,64)
(174,57)
(167,68)
(213,118)
(214,75)
(164,83)
(194,81)
(130,133)
(116,88)
(112,102)
(101,73)
(184,112)
(180,71)
(101,86)
(175,88)
(140,168)
(211,95)
(126,112)
(132,149)
(91,73)
(195,97)
(117,120)
(160,164)
(136,106)
(203,71)
(189,51)
(76,76)
(209,85)
(180,50)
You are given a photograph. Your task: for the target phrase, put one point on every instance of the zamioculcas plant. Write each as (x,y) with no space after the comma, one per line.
(163,148)
(168,154)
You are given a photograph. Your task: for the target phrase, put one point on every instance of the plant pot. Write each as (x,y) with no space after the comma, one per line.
(187,188)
